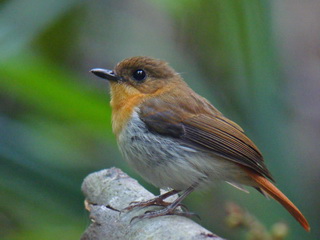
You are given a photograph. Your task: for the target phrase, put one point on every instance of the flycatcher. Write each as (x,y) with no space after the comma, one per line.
(176,139)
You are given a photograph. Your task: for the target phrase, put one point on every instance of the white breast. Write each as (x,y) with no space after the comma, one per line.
(165,163)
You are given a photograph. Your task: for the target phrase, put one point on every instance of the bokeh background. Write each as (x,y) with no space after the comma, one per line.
(257,61)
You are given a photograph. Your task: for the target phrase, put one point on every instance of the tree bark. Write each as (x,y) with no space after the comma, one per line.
(111,189)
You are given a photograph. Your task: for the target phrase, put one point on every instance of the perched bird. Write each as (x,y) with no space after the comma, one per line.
(176,139)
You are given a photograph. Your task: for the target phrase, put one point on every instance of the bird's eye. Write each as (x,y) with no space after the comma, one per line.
(139,75)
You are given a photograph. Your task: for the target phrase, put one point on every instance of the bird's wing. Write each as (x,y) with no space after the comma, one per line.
(206,131)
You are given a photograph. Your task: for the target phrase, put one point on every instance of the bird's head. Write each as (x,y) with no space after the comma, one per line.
(136,79)
(139,75)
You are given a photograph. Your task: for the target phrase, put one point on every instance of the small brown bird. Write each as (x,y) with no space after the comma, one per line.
(175,139)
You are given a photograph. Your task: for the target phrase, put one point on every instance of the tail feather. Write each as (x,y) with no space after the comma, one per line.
(267,187)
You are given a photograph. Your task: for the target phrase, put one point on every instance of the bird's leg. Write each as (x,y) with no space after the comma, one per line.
(170,208)
(157,201)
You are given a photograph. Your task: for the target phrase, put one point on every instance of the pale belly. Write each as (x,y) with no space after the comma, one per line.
(165,163)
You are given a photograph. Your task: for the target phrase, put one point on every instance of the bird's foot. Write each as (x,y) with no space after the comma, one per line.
(169,210)
(158,201)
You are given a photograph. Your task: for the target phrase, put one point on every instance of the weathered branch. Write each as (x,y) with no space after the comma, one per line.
(111,189)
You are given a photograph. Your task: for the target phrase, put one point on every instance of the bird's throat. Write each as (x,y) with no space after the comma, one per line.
(123,101)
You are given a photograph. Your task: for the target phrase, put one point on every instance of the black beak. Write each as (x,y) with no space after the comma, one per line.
(105,73)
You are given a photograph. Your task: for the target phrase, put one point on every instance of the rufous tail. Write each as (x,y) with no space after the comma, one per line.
(271,190)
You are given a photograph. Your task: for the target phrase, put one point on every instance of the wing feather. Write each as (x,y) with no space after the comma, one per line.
(215,134)
(208,131)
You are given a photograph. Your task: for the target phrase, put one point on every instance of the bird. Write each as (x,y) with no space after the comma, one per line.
(177,140)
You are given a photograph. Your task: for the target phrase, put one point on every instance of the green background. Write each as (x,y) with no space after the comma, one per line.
(254,60)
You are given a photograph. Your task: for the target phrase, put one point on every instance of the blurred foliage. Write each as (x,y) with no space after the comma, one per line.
(237,218)
(55,125)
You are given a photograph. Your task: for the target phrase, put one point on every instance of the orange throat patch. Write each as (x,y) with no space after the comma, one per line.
(123,101)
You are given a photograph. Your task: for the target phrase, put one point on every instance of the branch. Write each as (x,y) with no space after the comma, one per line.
(111,189)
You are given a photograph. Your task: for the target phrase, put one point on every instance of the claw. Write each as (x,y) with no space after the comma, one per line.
(170,208)
(183,207)
(132,219)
